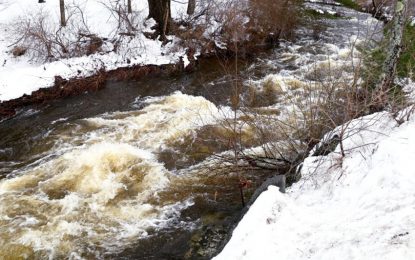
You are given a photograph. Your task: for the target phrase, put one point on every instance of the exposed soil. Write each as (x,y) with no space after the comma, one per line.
(63,88)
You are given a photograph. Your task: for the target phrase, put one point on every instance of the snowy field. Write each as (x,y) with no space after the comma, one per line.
(361,206)
(25,74)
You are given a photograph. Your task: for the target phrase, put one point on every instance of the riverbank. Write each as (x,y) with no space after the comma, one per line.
(27,77)
(146,169)
(39,66)
(356,206)
(75,86)
(355,202)
(25,72)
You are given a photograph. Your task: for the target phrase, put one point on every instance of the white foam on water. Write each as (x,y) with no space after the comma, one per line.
(98,188)
(62,201)
(164,118)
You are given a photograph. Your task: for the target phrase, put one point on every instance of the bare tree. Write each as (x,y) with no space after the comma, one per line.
(191,6)
(395,46)
(129,8)
(62,12)
(160,11)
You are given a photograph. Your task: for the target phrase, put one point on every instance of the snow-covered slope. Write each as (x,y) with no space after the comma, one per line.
(361,206)
(23,75)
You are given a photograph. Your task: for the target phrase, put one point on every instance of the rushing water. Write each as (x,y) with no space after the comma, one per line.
(128,172)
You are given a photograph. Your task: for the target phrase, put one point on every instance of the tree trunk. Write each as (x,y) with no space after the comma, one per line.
(62,11)
(191,6)
(160,11)
(374,8)
(395,46)
(129,8)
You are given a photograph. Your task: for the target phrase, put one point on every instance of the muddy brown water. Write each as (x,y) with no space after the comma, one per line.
(129,172)
(49,162)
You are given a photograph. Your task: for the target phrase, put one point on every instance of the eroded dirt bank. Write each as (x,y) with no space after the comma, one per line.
(75,86)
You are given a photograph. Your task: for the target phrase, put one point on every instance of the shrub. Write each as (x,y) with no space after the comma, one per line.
(241,26)
(406,65)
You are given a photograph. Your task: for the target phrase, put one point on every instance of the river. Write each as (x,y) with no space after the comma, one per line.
(132,171)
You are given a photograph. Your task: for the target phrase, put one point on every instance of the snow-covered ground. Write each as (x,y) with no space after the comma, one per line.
(361,206)
(24,74)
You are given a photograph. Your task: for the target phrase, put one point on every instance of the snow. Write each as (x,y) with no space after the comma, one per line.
(23,75)
(408,87)
(331,2)
(361,206)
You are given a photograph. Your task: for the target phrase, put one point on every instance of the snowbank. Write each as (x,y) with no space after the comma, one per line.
(361,206)
(23,75)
